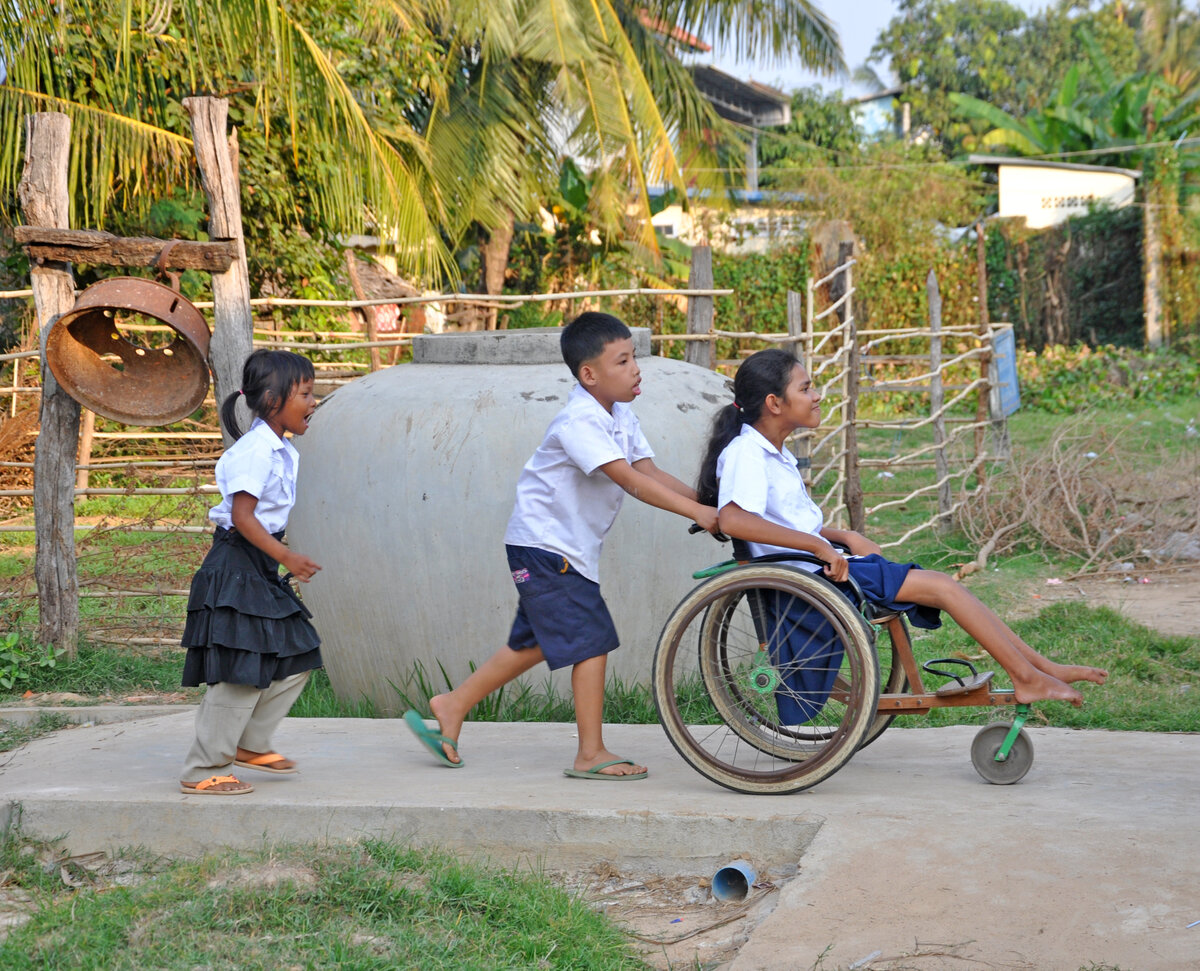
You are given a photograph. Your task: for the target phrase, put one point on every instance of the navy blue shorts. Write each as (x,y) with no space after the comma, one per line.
(559,609)
(881,579)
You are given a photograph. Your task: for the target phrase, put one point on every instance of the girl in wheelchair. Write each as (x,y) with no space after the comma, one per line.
(762,501)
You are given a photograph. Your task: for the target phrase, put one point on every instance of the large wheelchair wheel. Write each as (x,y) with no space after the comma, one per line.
(765,679)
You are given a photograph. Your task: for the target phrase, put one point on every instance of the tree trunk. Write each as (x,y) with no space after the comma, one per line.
(45,202)
(1152,264)
(233,322)
(495,250)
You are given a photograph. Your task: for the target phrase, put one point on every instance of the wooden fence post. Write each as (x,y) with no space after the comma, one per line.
(983,407)
(86,438)
(700,310)
(936,396)
(802,443)
(852,491)
(44,201)
(233,321)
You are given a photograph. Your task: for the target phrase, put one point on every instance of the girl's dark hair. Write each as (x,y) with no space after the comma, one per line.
(268,378)
(763,373)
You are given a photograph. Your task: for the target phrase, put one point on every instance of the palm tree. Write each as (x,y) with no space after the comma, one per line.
(463,127)
(120,69)
(528,81)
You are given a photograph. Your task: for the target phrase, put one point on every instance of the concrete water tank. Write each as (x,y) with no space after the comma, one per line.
(406,484)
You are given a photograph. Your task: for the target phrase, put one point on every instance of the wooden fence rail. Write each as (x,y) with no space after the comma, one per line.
(821,329)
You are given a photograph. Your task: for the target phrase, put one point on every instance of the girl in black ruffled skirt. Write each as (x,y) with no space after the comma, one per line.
(247,635)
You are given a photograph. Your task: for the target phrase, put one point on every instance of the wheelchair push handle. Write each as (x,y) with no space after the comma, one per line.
(697,528)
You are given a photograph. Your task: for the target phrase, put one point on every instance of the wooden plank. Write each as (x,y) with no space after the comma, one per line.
(233,322)
(936,397)
(104,249)
(700,310)
(45,201)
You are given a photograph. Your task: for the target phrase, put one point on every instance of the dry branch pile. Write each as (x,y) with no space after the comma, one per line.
(1086,495)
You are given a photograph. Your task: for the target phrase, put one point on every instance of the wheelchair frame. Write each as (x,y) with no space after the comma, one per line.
(716,681)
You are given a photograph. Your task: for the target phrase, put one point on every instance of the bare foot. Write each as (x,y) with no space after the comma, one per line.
(1070,673)
(584,764)
(1042,687)
(449,721)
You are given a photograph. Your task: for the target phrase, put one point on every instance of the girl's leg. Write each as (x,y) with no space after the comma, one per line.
(450,709)
(220,721)
(274,702)
(587,685)
(1031,681)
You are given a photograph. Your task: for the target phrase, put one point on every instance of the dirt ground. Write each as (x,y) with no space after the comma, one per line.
(1167,601)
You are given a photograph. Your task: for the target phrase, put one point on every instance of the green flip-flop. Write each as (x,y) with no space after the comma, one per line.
(595,773)
(431,739)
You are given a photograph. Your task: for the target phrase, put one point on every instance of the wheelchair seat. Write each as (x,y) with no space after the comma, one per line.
(872,612)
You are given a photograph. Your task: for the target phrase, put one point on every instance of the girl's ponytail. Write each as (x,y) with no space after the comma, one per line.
(726,426)
(761,374)
(229,415)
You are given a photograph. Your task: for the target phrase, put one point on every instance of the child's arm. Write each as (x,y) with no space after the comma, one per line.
(653,490)
(247,524)
(736,521)
(855,542)
(647,467)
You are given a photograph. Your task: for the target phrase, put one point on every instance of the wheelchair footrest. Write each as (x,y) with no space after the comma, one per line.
(966,685)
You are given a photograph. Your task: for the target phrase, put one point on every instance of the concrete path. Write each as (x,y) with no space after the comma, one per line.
(903,859)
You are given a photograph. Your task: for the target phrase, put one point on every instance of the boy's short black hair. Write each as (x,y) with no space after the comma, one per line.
(587,335)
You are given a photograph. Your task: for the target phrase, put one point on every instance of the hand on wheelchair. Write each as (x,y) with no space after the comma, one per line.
(714,533)
(835,565)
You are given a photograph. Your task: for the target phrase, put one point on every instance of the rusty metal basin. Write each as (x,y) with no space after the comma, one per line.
(121,374)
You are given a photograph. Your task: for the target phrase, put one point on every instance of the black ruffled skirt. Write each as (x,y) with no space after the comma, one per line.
(245,625)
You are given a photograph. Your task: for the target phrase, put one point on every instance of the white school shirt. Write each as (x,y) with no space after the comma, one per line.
(264,465)
(564,505)
(765,481)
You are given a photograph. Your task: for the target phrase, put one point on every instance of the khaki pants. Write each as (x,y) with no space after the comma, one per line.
(234,716)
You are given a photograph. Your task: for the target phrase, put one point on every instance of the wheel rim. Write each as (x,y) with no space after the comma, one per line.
(983,755)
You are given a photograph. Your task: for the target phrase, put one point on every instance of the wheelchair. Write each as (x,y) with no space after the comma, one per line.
(768,678)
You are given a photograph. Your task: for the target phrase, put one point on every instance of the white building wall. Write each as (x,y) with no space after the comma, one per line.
(1048,196)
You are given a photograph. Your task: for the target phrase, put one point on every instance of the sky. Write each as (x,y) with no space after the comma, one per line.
(858,23)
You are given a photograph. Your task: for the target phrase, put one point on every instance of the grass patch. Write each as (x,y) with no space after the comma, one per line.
(107,674)
(1153,678)
(376,905)
(13,735)
(1152,686)
(103,672)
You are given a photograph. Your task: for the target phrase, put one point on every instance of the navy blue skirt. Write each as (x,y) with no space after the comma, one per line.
(806,650)
(245,625)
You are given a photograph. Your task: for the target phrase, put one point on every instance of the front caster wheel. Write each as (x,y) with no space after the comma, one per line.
(988,742)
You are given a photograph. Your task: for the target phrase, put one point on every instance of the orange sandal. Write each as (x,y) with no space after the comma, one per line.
(208,787)
(267,762)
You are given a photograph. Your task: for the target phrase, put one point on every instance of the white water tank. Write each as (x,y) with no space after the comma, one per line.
(406,484)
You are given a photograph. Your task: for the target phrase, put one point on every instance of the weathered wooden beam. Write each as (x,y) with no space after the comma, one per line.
(44,199)
(233,321)
(104,249)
